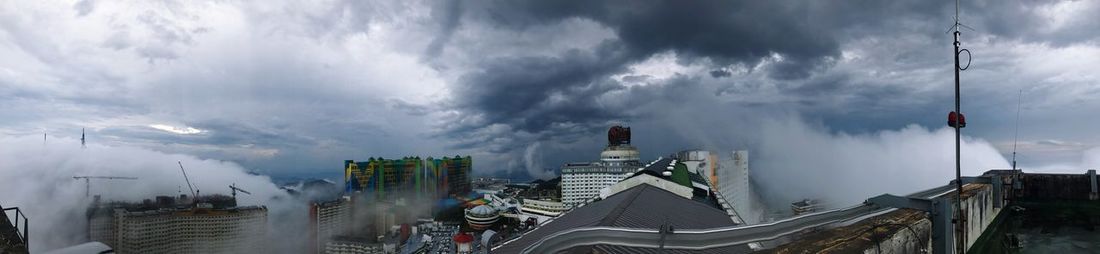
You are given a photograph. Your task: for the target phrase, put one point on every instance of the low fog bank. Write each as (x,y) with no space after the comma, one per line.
(36,176)
(793,160)
(1090,159)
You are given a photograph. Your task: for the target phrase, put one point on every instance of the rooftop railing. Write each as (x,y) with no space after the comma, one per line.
(22,234)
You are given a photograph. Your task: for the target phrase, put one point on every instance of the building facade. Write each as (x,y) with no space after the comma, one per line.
(328,220)
(703,162)
(380,177)
(450,176)
(543,207)
(201,229)
(583,181)
(734,182)
(481,217)
(348,245)
(420,178)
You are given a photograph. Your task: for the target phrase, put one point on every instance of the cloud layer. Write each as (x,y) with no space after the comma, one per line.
(294,88)
(37,177)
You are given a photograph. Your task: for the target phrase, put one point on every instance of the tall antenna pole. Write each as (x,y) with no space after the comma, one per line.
(1016,138)
(960,228)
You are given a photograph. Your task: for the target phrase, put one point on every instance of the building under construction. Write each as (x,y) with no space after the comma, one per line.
(208,224)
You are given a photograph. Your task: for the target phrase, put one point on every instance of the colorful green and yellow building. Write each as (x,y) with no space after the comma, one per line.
(409,177)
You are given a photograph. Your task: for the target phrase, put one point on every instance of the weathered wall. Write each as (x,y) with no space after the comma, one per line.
(1055,186)
(978,206)
(904,241)
(980,213)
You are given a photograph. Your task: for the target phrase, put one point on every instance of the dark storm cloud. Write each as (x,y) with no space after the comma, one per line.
(449,15)
(722,31)
(790,48)
(1055,22)
(720,73)
(530,93)
(324,81)
(533,93)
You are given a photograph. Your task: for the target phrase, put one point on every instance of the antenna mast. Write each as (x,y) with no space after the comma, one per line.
(957,120)
(1016,138)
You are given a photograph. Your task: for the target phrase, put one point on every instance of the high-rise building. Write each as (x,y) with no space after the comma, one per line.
(427,178)
(179,228)
(583,181)
(735,185)
(327,220)
(383,176)
(352,245)
(702,162)
(347,224)
(451,175)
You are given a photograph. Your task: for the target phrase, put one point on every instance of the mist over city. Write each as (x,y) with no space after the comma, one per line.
(548,126)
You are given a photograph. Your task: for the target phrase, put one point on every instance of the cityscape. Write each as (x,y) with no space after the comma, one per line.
(468,127)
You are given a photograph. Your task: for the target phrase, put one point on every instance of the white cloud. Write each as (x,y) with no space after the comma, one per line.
(797,161)
(177,130)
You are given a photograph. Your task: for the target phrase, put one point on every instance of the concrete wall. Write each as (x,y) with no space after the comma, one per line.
(978,206)
(979,212)
(1055,186)
(904,241)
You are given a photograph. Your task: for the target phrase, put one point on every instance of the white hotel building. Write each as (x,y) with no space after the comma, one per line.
(583,181)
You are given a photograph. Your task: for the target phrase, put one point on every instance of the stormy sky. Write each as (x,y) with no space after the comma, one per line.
(290,87)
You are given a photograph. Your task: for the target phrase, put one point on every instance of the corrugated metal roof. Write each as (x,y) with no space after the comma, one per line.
(643,206)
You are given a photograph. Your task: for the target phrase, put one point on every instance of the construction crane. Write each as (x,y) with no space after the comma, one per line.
(188,180)
(88,183)
(235,190)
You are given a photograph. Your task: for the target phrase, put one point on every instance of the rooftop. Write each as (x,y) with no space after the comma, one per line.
(701,186)
(853,238)
(642,206)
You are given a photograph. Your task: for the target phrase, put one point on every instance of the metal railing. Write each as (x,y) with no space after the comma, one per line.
(19,213)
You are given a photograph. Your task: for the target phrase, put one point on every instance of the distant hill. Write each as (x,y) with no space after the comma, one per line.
(314,189)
